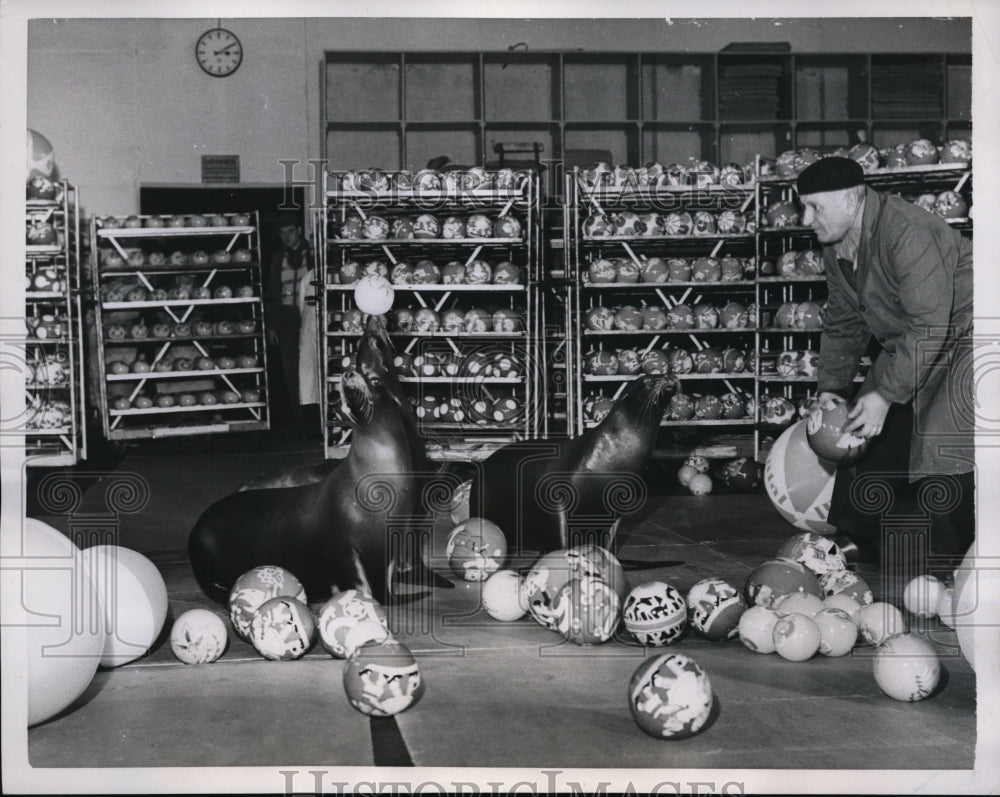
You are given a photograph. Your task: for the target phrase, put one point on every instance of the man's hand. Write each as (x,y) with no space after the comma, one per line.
(868,416)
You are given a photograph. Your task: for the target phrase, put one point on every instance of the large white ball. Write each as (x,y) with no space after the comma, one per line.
(907,667)
(65,635)
(922,595)
(134,598)
(976,603)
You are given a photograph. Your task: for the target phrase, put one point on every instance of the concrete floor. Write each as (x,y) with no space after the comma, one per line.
(497,694)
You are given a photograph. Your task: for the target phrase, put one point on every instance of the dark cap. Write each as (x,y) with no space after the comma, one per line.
(287,220)
(829,174)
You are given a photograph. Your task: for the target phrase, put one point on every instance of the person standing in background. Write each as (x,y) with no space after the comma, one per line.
(290,272)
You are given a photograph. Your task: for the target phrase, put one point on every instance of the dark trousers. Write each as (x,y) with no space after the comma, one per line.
(289,323)
(877,507)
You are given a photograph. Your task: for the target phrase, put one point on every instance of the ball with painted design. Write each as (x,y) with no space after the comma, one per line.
(476,549)
(715,608)
(256,586)
(670,696)
(799,603)
(775,578)
(849,584)
(798,482)
(587,611)
(844,603)
(382,679)
(756,628)
(283,629)
(820,554)
(907,668)
(198,636)
(501,596)
(655,613)
(350,619)
(827,435)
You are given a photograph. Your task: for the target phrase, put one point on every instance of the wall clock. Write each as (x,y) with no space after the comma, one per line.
(219,52)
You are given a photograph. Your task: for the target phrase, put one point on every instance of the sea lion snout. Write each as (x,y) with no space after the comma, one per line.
(356,397)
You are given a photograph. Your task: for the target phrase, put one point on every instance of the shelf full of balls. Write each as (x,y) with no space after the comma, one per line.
(54,421)
(663,265)
(180,324)
(453,260)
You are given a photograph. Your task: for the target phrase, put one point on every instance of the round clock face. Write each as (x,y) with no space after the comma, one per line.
(219,52)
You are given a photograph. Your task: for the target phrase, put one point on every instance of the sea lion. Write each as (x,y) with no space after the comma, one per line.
(336,532)
(553,494)
(375,357)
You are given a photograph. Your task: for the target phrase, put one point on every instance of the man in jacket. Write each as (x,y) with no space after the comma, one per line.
(900,278)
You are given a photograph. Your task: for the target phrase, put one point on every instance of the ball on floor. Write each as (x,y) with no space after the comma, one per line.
(670,696)
(382,679)
(907,667)
(700,484)
(587,611)
(655,613)
(849,584)
(501,596)
(256,586)
(796,637)
(838,632)
(922,596)
(820,554)
(715,608)
(134,598)
(799,603)
(879,621)
(756,629)
(283,629)
(198,636)
(53,598)
(476,549)
(349,619)
(773,579)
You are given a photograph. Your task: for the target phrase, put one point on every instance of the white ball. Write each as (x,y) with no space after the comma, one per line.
(907,667)
(796,637)
(700,484)
(198,636)
(946,607)
(501,596)
(134,597)
(799,603)
(845,603)
(757,628)
(685,474)
(922,595)
(374,295)
(879,621)
(837,632)
(52,599)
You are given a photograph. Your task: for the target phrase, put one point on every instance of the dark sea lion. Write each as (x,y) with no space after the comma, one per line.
(336,532)
(551,494)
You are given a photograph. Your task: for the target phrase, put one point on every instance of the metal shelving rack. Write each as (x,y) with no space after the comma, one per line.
(453,389)
(181,337)
(55,428)
(728,433)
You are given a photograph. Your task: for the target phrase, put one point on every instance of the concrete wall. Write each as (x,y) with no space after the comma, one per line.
(124,102)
